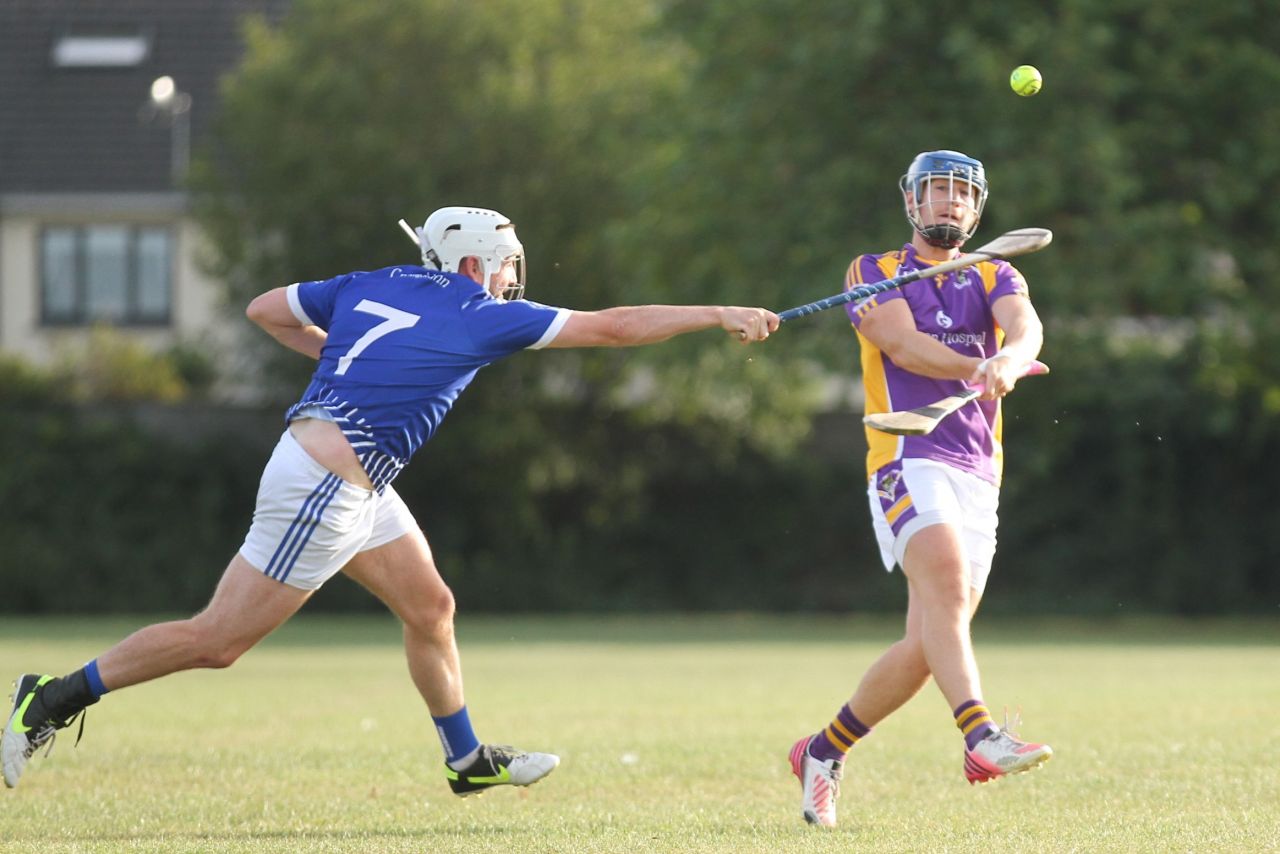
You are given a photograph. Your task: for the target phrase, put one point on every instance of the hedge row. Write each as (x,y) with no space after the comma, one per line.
(1109,505)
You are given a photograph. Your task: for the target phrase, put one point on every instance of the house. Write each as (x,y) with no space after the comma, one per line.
(101,103)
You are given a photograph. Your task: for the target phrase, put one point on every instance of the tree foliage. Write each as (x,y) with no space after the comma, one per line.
(744,152)
(1150,154)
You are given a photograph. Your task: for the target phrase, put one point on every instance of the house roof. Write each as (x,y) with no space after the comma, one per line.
(73,112)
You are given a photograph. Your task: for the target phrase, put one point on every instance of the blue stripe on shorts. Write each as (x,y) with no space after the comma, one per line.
(303,526)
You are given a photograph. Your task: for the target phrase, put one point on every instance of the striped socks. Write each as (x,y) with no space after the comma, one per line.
(974,722)
(839,737)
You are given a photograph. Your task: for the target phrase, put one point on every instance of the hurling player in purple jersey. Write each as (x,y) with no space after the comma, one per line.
(395,348)
(933,497)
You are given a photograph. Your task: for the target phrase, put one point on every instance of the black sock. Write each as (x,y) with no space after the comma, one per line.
(59,700)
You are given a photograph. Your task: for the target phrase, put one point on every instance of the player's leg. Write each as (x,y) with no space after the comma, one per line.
(246,606)
(938,582)
(946,566)
(909,499)
(402,573)
(928,517)
(897,676)
(938,577)
(307,523)
(1002,752)
(818,760)
(905,498)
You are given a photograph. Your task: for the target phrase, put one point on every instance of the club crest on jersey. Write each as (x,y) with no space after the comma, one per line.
(887,486)
(943,321)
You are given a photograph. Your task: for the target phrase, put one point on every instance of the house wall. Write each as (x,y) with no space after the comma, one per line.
(197,303)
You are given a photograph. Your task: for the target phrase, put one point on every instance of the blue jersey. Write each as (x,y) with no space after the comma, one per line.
(403,343)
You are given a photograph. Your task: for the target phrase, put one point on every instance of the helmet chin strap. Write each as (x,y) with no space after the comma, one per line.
(942,236)
(481,267)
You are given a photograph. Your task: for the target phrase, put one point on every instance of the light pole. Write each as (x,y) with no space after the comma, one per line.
(166,100)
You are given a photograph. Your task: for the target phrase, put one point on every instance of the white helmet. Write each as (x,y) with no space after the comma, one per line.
(451,234)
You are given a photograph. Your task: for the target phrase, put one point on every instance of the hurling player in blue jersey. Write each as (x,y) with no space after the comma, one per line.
(933,498)
(395,347)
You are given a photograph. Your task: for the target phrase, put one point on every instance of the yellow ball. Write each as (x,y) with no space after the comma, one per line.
(1025,80)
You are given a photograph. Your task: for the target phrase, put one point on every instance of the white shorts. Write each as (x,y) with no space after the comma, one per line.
(309,522)
(911,494)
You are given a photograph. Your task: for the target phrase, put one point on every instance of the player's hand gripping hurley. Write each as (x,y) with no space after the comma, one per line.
(1009,245)
(922,419)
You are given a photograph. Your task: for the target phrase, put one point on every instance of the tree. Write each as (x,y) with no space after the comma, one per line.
(349,116)
(743,152)
(1152,153)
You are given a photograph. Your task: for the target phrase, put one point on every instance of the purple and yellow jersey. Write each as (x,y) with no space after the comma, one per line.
(403,343)
(955,309)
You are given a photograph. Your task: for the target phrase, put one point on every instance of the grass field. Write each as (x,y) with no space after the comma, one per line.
(673,733)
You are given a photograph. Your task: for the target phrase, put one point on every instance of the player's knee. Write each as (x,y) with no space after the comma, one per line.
(221,658)
(440,610)
(433,614)
(954,604)
(215,651)
(220,654)
(918,667)
(911,659)
(946,595)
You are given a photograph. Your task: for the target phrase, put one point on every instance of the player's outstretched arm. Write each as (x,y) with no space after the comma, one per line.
(631,326)
(271,311)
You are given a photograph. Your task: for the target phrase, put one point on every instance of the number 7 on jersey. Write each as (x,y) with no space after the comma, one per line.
(394,319)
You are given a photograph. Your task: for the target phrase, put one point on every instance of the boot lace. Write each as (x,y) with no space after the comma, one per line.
(47,734)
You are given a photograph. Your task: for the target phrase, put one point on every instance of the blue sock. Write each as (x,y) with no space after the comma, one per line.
(95,681)
(456,735)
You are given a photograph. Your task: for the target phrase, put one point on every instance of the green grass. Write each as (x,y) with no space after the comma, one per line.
(674,734)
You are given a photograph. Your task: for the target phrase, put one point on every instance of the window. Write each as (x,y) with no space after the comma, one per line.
(100,50)
(119,274)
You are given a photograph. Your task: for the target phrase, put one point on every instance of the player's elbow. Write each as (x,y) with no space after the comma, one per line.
(257,310)
(613,327)
(271,311)
(901,353)
(618,332)
(1035,333)
(912,361)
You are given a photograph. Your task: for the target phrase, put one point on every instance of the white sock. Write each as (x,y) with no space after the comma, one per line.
(463,761)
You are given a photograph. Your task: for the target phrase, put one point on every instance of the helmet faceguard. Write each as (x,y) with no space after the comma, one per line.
(920,193)
(451,234)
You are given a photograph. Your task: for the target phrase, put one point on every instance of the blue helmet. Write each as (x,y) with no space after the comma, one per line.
(955,168)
